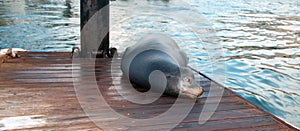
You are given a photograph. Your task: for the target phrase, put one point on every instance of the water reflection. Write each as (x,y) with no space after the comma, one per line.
(39,25)
(262,43)
(260,38)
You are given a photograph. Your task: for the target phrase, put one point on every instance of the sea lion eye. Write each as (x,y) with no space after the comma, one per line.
(186,79)
(168,76)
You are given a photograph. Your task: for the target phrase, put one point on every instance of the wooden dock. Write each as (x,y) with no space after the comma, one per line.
(37,93)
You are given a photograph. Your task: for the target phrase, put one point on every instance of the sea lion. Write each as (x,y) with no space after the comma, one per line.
(160,53)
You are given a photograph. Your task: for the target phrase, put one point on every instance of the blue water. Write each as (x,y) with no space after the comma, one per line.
(40,25)
(259,39)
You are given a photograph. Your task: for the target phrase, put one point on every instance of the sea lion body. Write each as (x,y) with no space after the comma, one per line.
(159,52)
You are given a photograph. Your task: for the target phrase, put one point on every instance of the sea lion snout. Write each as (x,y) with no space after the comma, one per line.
(190,88)
(188,85)
(193,92)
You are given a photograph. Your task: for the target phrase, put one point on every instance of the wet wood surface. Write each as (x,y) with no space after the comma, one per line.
(37,93)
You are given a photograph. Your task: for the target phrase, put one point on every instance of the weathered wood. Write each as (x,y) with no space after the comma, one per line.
(40,86)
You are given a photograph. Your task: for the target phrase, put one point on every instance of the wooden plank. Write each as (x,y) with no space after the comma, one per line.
(40,86)
(228,124)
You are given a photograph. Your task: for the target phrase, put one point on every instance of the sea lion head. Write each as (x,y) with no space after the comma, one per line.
(183,83)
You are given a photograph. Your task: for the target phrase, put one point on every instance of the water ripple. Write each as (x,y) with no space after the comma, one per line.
(39,25)
(261,42)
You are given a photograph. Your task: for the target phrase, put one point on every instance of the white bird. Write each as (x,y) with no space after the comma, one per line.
(12,52)
(9,52)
